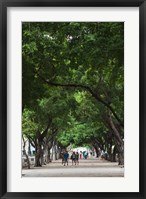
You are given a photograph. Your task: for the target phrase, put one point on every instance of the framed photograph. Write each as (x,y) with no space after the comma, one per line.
(72,99)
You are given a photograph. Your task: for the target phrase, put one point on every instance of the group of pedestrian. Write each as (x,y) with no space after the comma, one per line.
(74,158)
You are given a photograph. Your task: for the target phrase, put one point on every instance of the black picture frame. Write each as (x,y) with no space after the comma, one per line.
(4,4)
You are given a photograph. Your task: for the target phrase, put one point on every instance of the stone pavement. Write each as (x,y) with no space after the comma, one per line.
(93,167)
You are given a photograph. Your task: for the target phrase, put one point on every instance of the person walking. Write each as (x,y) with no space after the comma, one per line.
(84,154)
(66,156)
(62,157)
(73,157)
(77,158)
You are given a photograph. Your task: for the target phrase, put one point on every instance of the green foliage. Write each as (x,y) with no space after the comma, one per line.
(82,53)
(29,126)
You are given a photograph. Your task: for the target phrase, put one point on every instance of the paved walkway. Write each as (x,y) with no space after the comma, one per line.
(87,168)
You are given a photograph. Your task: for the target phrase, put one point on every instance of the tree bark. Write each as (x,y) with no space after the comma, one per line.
(109,151)
(38,155)
(27,159)
(55,152)
(48,156)
(118,141)
(96,149)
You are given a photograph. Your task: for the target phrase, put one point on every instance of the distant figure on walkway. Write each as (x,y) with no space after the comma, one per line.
(80,154)
(66,156)
(102,155)
(62,157)
(106,155)
(77,158)
(73,157)
(85,154)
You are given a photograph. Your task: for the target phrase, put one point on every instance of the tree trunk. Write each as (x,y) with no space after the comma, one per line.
(37,160)
(120,150)
(42,157)
(55,152)
(118,141)
(28,162)
(27,159)
(29,150)
(38,156)
(114,154)
(48,156)
(52,152)
(97,150)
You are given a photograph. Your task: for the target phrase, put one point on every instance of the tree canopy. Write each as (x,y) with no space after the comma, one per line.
(73,82)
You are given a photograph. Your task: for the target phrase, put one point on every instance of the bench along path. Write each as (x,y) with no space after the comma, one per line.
(92,167)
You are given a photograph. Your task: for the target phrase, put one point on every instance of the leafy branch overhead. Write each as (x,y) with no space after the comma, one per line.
(73,76)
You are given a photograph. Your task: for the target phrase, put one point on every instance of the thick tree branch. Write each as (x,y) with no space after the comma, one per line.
(96,96)
(53,135)
(98,143)
(32,142)
(46,129)
(110,124)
